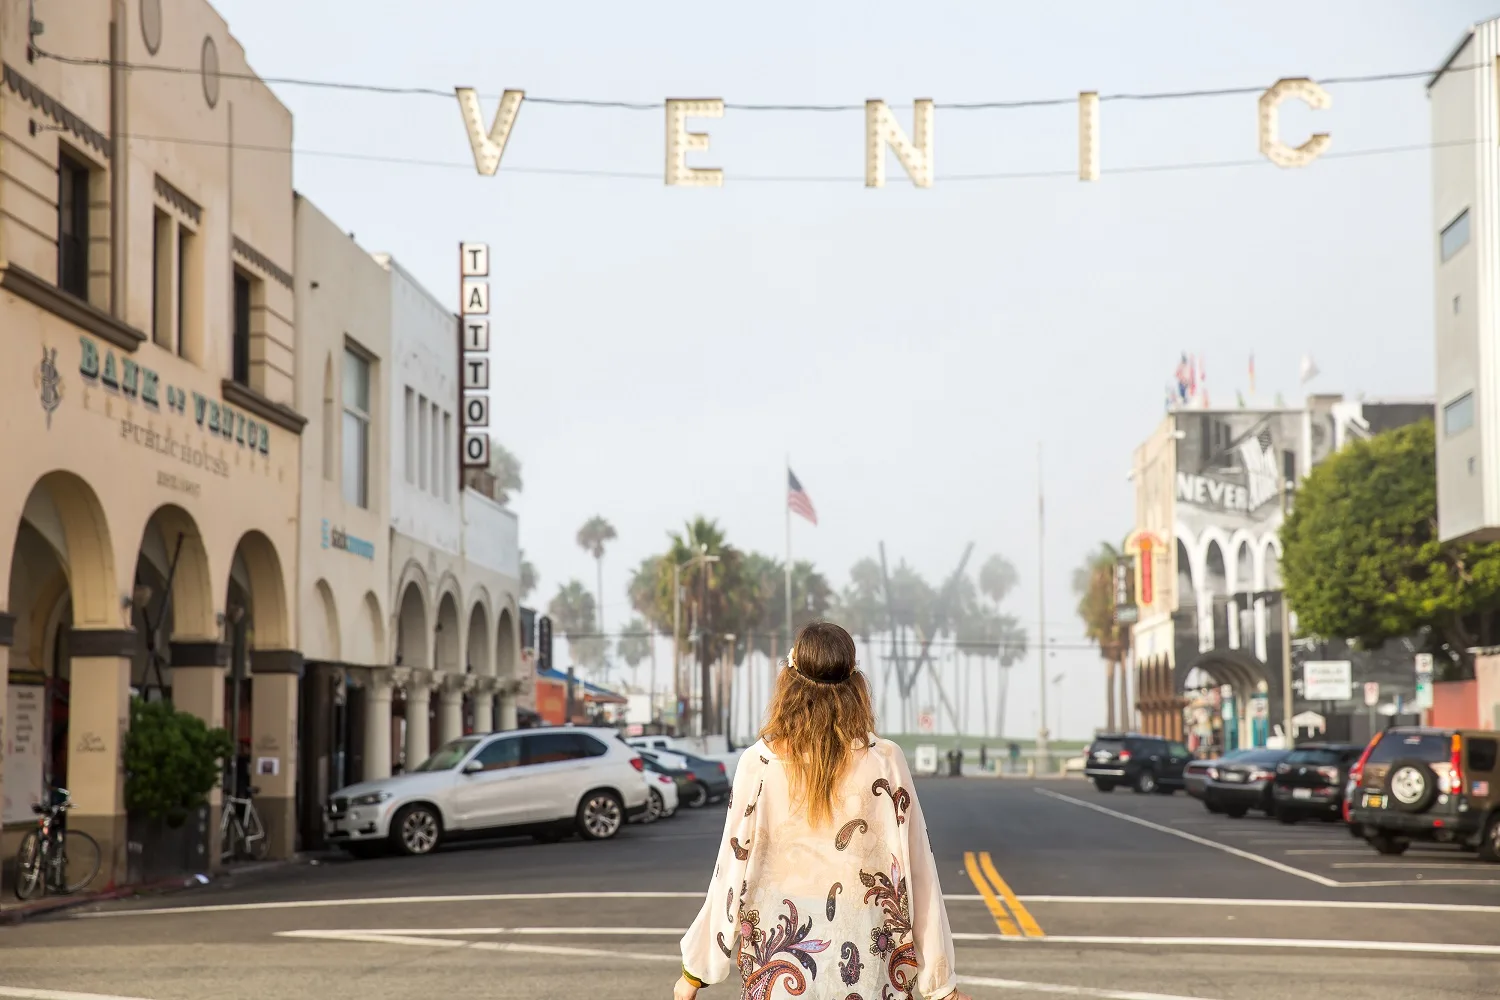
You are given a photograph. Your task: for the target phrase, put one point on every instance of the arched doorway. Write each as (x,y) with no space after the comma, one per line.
(413,713)
(63,636)
(479,709)
(507,669)
(1228,692)
(449,669)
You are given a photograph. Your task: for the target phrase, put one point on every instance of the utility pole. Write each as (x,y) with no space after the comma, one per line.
(1041,615)
(706,699)
(676,648)
(1286,631)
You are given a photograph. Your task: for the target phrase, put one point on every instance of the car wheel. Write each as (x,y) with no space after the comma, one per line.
(1212,807)
(550,835)
(1235,812)
(1287,816)
(1489,843)
(1384,843)
(655,808)
(364,851)
(1105,786)
(1165,790)
(698,798)
(600,815)
(1146,783)
(417,830)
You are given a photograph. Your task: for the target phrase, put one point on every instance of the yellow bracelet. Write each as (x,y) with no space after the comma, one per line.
(693,980)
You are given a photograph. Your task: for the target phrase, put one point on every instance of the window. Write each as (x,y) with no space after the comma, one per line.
(1179,750)
(72,226)
(447,456)
(188,289)
(1482,754)
(424,412)
(1316,757)
(448,755)
(1458,416)
(590,746)
(163,318)
(330,421)
(1455,236)
(500,755)
(240,371)
(411,435)
(1430,747)
(356,429)
(551,748)
(435,452)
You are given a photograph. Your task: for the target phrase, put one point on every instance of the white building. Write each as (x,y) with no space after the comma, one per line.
(1466,257)
(454,556)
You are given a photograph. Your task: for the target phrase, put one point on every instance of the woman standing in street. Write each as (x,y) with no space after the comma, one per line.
(825,887)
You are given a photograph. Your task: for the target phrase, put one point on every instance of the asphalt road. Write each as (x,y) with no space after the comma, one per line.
(1053,890)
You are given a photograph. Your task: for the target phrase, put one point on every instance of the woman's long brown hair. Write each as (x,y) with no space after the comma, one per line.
(821,707)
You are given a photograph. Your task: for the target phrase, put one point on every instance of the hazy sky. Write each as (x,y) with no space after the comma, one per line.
(666,348)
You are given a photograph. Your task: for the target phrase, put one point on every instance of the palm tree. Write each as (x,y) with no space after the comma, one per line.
(572,611)
(529,577)
(1094,583)
(634,644)
(592,537)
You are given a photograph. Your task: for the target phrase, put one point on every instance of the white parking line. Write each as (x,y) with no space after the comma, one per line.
(1477,866)
(1194,838)
(21,993)
(1302,904)
(1061,990)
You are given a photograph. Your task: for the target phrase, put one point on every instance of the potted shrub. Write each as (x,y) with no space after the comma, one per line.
(173,761)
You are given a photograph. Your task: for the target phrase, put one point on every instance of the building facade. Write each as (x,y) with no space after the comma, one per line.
(1466,284)
(148,514)
(343,584)
(1207,551)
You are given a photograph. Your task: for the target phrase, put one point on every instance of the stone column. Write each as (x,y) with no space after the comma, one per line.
(451,706)
(7,636)
(377,751)
(484,704)
(198,688)
(98,721)
(508,718)
(418,730)
(275,683)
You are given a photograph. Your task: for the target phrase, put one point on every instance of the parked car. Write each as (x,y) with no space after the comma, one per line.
(1195,774)
(547,782)
(1144,763)
(1239,785)
(683,748)
(661,789)
(1440,785)
(1310,782)
(706,779)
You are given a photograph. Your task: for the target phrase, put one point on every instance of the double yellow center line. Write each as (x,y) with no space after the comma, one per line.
(1015,921)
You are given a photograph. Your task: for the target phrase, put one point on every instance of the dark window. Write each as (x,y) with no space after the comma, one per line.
(551,748)
(72,226)
(501,754)
(1147,746)
(1433,748)
(1108,746)
(241,344)
(1482,754)
(589,746)
(1317,758)
(1178,750)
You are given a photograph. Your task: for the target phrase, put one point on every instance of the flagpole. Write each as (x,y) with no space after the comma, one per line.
(787,503)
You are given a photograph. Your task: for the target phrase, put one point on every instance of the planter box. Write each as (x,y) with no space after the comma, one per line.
(158,851)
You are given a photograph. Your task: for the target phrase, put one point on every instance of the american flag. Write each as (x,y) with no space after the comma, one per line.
(797,500)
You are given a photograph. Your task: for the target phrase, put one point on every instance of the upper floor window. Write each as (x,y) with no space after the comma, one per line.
(73,226)
(1458,416)
(240,346)
(1455,236)
(356,468)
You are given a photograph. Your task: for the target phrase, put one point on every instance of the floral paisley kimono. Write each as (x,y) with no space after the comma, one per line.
(852,911)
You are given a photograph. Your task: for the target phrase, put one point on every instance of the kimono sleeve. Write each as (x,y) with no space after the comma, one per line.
(929,917)
(709,946)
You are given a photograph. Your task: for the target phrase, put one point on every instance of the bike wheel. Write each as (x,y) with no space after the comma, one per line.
(231,836)
(81,860)
(31,879)
(257,844)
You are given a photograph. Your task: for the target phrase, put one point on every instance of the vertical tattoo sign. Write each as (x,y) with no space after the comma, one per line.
(474,353)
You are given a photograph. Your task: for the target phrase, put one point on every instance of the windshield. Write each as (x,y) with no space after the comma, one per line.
(1321,757)
(448,755)
(1261,757)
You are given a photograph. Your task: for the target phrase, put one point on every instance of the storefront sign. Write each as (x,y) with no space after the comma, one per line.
(136,381)
(474,353)
(337,538)
(23,764)
(1328,680)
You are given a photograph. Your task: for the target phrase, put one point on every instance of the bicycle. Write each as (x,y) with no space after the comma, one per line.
(53,858)
(241,833)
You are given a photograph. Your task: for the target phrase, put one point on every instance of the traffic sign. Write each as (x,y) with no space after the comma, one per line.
(924,722)
(1424,680)
(1127,614)
(1372,693)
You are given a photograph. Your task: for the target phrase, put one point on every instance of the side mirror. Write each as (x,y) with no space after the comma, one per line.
(473,767)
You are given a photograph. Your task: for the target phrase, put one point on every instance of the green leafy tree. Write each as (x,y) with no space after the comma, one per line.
(861,604)
(172,761)
(595,534)
(1362,555)
(572,612)
(505,467)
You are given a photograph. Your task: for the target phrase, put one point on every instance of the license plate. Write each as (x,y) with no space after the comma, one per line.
(1301,793)
(1232,776)
(1374,801)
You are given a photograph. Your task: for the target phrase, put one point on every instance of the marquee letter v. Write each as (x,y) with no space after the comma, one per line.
(488,147)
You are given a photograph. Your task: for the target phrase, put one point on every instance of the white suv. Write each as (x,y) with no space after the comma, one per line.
(543,781)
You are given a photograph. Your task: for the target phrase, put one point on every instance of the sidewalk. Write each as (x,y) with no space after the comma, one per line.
(15,911)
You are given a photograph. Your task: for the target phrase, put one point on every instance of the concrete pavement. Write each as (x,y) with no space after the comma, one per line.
(1053,890)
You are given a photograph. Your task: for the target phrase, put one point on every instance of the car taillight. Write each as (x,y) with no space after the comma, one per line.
(637,763)
(1261,775)
(1330,773)
(1357,772)
(691,776)
(1456,766)
(664,779)
(721,766)
(1125,756)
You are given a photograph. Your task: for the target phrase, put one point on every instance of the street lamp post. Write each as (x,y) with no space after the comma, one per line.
(677,569)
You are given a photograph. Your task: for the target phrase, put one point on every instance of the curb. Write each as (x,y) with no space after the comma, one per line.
(47,906)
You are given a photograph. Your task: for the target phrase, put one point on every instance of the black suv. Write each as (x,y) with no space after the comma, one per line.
(1310,782)
(1145,763)
(1422,783)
